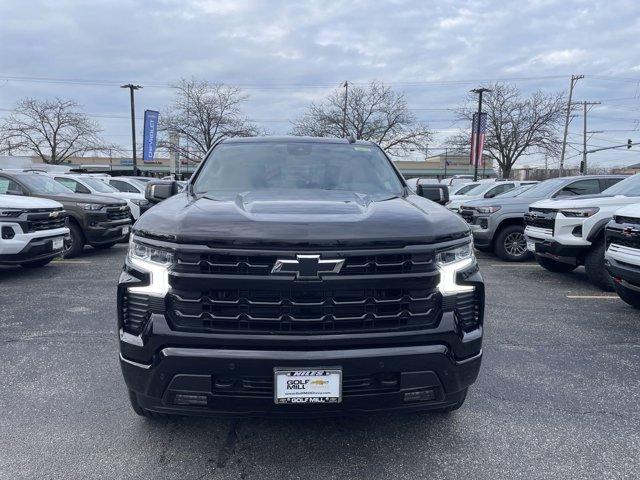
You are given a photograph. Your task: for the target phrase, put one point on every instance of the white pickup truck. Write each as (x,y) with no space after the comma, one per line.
(32,230)
(566,233)
(622,257)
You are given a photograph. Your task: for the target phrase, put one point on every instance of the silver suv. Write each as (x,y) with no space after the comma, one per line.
(498,223)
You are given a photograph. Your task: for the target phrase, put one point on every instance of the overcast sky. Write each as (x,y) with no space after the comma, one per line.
(286,54)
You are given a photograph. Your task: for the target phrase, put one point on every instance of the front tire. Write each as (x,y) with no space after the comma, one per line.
(511,244)
(594,266)
(554,265)
(77,241)
(629,296)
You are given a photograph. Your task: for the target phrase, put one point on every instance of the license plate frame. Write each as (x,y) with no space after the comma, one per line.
(310,393)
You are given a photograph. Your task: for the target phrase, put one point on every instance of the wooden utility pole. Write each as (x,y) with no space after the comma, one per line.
(574,80)
(344,109)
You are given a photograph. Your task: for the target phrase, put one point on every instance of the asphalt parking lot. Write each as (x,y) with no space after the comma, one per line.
(557,397)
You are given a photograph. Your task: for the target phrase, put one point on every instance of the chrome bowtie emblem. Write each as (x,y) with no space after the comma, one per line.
(307,266)
(123,207)
(628,231)
(54,214)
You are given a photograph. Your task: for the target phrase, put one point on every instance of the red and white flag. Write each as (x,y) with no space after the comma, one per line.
(474,137)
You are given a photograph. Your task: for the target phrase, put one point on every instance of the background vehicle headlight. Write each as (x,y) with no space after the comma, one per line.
(492,209)
(140,202)
(451,261)
(90,206)
(155,261)
(579,212)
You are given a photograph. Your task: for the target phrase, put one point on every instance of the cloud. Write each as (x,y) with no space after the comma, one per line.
(289,53)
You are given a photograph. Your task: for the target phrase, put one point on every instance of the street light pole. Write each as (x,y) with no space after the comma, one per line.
(478,150)
(131,88)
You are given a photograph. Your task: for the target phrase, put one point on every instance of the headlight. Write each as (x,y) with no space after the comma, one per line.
(90,206)
(140,202)
(580,212)
(452,261)
(10,212)
(153,260)
(493,209)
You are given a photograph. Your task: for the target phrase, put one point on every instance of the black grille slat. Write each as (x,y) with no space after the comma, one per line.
(136,311)
(628,220)
(467,310)
(118,213)
(42,219)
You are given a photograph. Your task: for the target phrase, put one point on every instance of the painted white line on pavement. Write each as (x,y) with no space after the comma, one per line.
(607,297)
(71,261)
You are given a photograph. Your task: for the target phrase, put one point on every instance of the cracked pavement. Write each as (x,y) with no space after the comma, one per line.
(558,394)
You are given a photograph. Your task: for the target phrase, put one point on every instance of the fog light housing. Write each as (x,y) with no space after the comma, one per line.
(420,396)
(190,399)
(8,233)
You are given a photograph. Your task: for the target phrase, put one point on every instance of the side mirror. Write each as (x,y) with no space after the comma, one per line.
(435,192)
(156,192)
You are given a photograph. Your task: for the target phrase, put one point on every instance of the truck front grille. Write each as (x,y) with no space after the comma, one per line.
(467,214)
(628,220)
(310,310)
(541,218)
(42,220)
(251,264)
(117,213)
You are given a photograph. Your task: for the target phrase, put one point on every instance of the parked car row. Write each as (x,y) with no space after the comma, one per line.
(41,218)
(591,221)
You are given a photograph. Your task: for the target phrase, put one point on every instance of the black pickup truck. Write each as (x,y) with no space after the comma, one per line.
(298,277)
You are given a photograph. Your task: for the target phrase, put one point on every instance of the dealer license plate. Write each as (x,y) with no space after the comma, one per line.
(531,246)
(308,386)
(57,243)
(125,230)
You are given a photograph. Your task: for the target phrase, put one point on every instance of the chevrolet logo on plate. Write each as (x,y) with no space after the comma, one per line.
(307,267)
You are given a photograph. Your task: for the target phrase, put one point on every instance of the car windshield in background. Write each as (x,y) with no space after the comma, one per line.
(243,167)
(629,186)
(99,185)
(543,189)
(481,188)
(42,185)
(515,192)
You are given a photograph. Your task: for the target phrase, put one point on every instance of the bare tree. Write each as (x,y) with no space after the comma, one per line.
(54,130)
(374,112)
(201,114)
(516,126)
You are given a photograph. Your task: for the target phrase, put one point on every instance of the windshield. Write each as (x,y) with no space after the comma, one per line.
(481,188)
(629,186)
(465,189)
(99,185)
(42,185)
(243,167)
(543,189)
(516,191)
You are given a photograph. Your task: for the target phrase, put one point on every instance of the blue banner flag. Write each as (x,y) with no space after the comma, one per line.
(150,135)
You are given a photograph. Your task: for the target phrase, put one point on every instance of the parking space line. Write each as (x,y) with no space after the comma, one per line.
(514,265)
(64,262)
(579,297)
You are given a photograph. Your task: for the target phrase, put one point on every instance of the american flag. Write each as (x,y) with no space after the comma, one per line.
(474,131)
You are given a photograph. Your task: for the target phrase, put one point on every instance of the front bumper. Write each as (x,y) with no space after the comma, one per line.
(39,248)
(106,232)
(225,380)
(623,263)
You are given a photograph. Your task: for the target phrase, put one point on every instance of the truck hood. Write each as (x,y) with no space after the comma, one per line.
(124,195)
(17,201)
(85,198)
(587,201)
(502,202)
(300,217)
(632,210)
